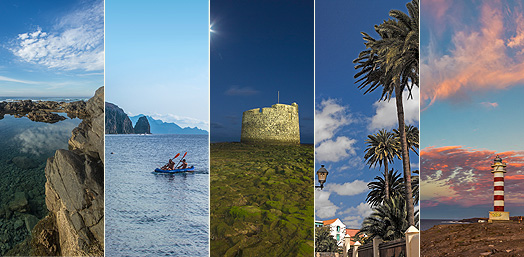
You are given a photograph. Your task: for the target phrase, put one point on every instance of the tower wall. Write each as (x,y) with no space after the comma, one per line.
(277,124)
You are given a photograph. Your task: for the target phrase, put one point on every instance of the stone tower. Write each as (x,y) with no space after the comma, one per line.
(276,125)
(498,171)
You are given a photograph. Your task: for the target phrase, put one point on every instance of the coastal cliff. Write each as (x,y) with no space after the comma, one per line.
(75,191)
(117,121)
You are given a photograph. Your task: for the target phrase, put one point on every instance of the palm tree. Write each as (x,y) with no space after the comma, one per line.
(378,187)
(324,241)
(381,149)
(392,63)
(412,137)
(388,221)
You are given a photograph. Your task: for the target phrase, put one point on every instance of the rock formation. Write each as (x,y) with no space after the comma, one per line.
(142,126)
(117,121)
(75,191)
(43,111)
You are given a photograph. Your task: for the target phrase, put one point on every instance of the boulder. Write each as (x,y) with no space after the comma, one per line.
(30,221)
(20,203)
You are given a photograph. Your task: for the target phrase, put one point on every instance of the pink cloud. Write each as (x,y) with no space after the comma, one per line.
(457,175)
(484,55)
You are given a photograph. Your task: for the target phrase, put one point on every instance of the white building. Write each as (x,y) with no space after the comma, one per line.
(338,229)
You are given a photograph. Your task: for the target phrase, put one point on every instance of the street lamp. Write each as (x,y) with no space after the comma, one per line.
(322,174)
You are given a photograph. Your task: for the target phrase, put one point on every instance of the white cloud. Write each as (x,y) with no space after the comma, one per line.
(356,214)
(241,91)
(75,43)
(349,188)
(329,117)
(386,112)
(3,78)
(45,139)
(324,208)
(333,151)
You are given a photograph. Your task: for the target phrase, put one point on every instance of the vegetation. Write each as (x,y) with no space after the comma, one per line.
(378,188)
(388,221)
(382,148)
(262,200)
(324,241)
(391,63)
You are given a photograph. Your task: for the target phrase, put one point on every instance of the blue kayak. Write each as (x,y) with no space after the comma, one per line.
(192,168)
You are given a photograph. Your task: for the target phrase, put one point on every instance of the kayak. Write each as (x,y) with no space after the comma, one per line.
(192,168)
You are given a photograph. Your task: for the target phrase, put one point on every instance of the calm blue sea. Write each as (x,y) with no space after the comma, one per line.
(426,224)
(57,99)
(156,214)
(32,143)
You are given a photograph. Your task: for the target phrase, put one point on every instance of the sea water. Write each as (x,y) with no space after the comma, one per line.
(32,142)
(426,224)
(151,214)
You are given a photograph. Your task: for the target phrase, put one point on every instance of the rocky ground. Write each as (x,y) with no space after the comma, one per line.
(261,200)
(476,239)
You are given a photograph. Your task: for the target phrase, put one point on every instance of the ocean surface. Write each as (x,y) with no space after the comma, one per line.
(426,224)
(25,146)
(57,99)
(156,214)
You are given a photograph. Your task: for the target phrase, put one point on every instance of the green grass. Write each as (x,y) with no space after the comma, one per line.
(261,200)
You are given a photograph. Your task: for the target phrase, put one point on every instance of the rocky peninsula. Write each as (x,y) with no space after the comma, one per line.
(43,111)
(74,188)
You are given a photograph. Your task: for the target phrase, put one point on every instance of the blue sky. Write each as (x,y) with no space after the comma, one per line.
(157,59)
(257,49)
(472,71)
(51,48)
(344,116)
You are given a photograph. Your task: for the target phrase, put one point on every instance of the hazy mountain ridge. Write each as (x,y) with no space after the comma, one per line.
(161,127)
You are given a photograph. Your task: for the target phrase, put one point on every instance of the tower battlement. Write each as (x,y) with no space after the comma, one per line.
(277,124)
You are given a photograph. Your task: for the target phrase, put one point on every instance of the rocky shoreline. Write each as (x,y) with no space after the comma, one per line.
(74,187)
(43,111)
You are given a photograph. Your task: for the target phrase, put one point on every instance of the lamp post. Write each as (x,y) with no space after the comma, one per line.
(322,174)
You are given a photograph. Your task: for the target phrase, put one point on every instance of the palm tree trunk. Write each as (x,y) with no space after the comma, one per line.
(405,157)
(386,182)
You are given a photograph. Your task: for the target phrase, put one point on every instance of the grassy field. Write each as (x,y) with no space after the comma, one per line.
(262,200)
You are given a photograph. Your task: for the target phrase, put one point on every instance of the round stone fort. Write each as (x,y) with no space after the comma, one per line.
(276,125)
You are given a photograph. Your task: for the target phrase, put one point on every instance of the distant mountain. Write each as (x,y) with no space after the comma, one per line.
(161,127)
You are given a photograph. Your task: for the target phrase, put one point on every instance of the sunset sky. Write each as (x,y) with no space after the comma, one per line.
(472,73)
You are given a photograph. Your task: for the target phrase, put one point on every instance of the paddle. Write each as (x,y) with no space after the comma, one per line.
(181,160)
(178,154)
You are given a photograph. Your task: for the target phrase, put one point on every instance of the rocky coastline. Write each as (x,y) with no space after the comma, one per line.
(43,111)
(74,187)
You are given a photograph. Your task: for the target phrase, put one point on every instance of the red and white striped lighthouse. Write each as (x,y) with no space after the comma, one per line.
(498,170)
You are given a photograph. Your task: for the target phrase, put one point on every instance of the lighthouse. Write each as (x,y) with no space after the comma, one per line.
(498,168)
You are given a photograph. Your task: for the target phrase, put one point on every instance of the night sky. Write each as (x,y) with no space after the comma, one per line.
(258,48)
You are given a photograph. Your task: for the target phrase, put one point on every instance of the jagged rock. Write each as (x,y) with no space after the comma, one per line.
(24,162)
(75,191)
(20,203)
(142,126)
(76,109)
(88,137)
(117,121)
(43,116)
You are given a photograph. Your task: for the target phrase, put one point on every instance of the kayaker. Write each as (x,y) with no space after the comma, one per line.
(171,165)
(183,165)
